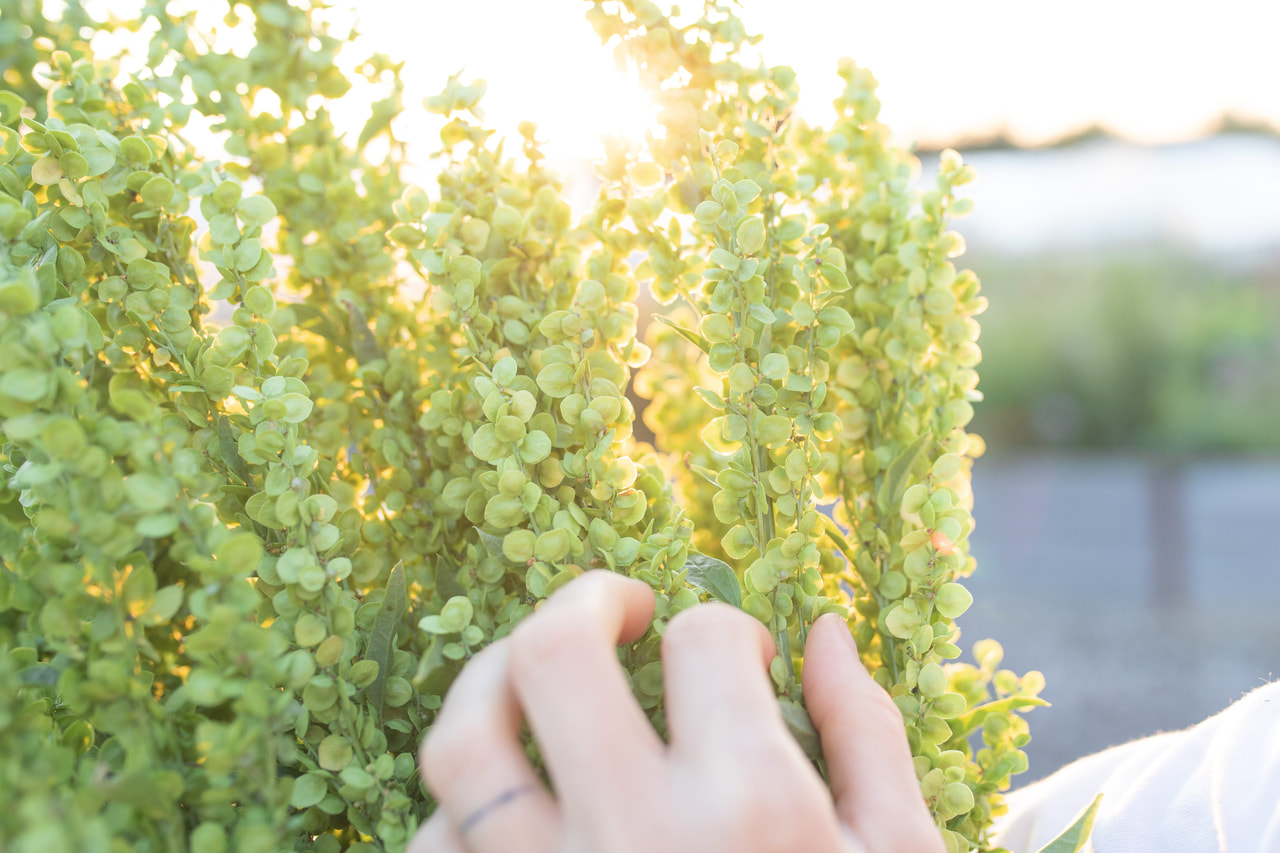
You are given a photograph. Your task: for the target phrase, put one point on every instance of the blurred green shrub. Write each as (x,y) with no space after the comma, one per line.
(1150,350)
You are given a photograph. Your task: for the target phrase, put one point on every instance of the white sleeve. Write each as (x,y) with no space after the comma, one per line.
(1214,788)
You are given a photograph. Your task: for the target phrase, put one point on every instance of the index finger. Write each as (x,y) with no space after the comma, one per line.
(472,758)
(873,779)
(596,741)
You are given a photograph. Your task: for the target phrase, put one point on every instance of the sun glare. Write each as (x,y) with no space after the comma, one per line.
(607,104)
(541,60)
(1156,73)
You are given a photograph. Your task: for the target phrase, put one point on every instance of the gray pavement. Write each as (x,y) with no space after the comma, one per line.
(1147,593)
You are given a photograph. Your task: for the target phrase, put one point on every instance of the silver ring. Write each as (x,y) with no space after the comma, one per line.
(493,805)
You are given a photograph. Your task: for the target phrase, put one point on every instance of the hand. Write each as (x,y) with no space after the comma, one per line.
(731,778)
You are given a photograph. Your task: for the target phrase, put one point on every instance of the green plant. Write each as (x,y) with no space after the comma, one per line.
(245,554)
(1142,350)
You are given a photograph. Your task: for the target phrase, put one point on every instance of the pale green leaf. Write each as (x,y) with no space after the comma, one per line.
(1074,837)
(715,577)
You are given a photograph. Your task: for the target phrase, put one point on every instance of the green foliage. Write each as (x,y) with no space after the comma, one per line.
(1150,350)
(287,441)
(26,37)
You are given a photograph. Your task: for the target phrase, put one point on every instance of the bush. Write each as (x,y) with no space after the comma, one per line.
(287,441)
(1141,350)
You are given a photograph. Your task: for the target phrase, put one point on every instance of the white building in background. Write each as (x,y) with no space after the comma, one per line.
(1216,196)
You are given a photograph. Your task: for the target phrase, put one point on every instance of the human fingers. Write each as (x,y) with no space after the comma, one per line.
(598,745)
(628,601)
(863,739)
(474,765)
(715,662)
(436,836)
(745,780)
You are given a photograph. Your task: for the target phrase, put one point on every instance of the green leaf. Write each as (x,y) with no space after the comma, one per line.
(240,554)
(10,107)
(801,728)
(1073,838)
(163,606)
(158,526)
(363,343)
(726,259)
(135,149)
(256,210)
(715,577)
(46,171)
(946,467)
(316,321)
(535,447)
(21,294)
(646,174)
(230,450)
(43,674)
(139,588)
(9,144)
(688,334)
(73,164)
(750,235)
(708,211)
(773,430)
(746,191)
(357,778)
(148,493)
(894,484)
(99,161)
(26,384)
(835,277)
(297,408)
(247,253)
(774,365)
(976,716)
(157,192)
(384,627)
(434,672)
(380,121)
(308,790)
(405,234)
(223,229)
(711,398)
(493,544)
(149,791)
(556,380)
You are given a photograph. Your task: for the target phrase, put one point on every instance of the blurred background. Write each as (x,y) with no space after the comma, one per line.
(1128,238)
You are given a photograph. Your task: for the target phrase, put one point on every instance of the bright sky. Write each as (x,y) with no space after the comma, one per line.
(1152,71)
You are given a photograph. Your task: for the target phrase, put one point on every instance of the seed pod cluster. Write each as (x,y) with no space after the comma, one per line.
(287,440)
(819,286)
(528,420)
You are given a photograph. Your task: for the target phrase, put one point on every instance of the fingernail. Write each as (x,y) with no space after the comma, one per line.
(842,629)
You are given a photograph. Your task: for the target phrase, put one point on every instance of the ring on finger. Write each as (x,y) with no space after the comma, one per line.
(502,799)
